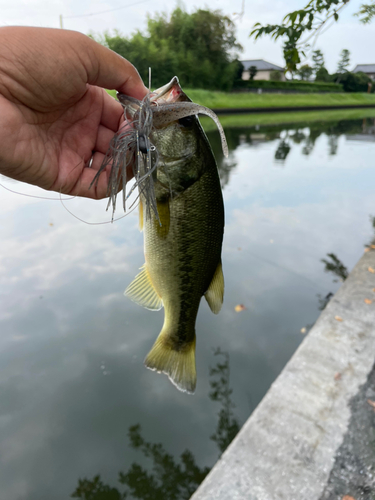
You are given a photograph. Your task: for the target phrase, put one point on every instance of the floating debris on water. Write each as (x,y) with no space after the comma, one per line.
(239,308)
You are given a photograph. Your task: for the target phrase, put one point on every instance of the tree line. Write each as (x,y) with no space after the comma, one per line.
(351,82)
(200,48)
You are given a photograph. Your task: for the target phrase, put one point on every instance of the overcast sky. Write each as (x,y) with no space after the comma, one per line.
(131,15)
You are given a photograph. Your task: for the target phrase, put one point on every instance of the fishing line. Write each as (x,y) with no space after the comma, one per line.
(99,223)
(105,11)
(286,269)
(35,196)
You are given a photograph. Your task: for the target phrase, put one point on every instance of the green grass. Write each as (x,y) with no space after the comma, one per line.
(112,93)
(233,121)
(214,99)
(217,100)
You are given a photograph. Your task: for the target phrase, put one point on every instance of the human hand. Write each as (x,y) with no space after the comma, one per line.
(55,116)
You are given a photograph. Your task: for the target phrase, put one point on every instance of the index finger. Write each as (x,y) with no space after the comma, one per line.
(112,112)
(109,70)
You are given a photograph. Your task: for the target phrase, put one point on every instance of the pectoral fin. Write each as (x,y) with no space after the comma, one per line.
(142,291)
(215,292)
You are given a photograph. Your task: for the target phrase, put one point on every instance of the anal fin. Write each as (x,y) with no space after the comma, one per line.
(142,291)
(215,292)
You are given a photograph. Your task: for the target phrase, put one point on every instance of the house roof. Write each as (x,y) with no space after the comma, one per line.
(365,68)
(261,65)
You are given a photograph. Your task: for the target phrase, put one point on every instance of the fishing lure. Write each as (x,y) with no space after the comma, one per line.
(132,146)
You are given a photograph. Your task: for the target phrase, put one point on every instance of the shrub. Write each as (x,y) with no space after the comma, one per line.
(275,76)
(252,71)
(355,82)
(322,75)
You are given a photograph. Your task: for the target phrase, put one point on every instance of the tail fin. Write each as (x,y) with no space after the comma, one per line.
(177,363)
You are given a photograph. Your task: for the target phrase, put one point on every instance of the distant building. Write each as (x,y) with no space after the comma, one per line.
(264,69)
(368,69)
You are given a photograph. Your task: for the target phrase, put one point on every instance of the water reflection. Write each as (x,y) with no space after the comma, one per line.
(169,478)
(367,134)
(282,150)
(305,134)
(323,301)
(295,134)
(227,426)
(334,266)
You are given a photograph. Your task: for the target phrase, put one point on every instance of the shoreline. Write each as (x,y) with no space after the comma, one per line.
(310,438)
(288,109)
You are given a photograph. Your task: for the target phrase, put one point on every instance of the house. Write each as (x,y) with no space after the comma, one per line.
(264,69)
(368,69)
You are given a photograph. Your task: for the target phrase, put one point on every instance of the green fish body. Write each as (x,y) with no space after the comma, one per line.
(183,247)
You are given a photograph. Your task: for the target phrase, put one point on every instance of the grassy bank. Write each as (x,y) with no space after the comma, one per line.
(249,100)
(233,121)
(213,99)
(224,100)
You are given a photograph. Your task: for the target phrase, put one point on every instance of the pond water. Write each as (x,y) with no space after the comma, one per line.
(75,399)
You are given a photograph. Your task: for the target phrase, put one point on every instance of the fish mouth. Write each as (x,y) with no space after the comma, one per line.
(165,89)
(165,105)
(169,93)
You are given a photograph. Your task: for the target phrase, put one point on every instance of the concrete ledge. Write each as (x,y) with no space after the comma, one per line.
(313,435)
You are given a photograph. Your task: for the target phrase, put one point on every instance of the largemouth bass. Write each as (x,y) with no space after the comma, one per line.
(183,224)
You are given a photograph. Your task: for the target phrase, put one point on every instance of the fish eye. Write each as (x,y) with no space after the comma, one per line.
(187,121)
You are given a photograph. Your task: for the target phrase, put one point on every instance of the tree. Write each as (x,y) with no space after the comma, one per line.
(344,61)
(252,71)
(305,71)
(318,60)
(367,11)
(322,75)
(300,27)
(201,48)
